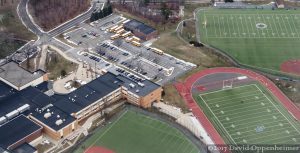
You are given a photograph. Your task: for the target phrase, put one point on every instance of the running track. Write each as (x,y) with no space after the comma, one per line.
(185,90)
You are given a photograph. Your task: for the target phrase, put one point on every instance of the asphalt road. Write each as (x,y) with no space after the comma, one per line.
(22,12)
(47,37)
(79,19)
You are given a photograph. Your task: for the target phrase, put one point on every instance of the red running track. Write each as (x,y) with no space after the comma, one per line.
(185,90)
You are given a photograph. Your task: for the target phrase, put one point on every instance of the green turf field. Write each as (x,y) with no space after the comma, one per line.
(261,38)
(136,133)
(249,115)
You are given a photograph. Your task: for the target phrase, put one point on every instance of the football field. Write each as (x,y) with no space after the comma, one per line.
(249,115)
(136,133)
(261,38)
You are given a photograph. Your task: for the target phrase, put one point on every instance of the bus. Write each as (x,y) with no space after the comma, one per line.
(136,39)
(113,37)
(113,28)
(120,31)
(118,28)
(158,51)
(126,34)
(128,39)
(125,21)
(136,43)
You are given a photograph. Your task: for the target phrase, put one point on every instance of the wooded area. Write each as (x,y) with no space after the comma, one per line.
(158,11)
(50,13)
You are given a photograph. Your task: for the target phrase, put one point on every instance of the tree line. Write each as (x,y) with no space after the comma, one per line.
(51,13)
(102,13)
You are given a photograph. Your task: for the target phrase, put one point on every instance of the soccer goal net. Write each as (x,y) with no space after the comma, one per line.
(227,84)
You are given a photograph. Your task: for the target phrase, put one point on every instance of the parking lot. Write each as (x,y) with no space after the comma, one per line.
(121,57)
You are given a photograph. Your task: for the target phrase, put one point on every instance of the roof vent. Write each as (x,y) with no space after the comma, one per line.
(141,84)
(137,91)
(131,85)
(115,82)
(59,122)
(48,110)
(58,116)
(47,115)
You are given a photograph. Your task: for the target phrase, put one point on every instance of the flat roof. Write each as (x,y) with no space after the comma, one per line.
(13,99)
(24,148)
(18,76)
(145,89)
(17,129)
(145,29)
(56,114)
(139,26)
(88,94)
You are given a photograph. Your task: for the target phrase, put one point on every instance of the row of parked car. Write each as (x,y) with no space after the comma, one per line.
(95,58)
(129,75)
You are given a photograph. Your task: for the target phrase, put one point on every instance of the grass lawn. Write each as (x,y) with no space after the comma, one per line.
(249,115)
(56,64)
(261,38)
(136,133)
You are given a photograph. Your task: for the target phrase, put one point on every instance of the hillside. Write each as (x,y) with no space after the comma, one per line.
(50,13)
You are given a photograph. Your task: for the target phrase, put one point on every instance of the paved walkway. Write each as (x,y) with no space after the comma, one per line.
(83,73)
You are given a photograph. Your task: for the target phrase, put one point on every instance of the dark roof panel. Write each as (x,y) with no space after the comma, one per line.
(24,148)
(17,129)
(56,114)
(89,93)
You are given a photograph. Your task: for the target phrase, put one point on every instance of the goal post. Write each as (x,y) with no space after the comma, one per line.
(227,84)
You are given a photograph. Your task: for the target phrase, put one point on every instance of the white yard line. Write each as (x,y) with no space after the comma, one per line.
(281,29)
(224,129)
(285,27)
(278,110)
(288,21)
(274,23)
(264,138)
(250,123)
(238,27)
(247,94)
(295,27)
(230,33)
(241,108)
(275,131)
(246,119)
(235,117)
(265,123)
(245,18)
(227,89)
(219,25)
(204,25)
(255,22)
(214,26)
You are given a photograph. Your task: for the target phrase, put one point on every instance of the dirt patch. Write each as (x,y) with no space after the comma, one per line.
(291,66)
(96,149)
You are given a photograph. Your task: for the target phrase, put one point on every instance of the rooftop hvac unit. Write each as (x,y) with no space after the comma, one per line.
(59,122)
(131,85)
(2,120)
(23,108)
(47,115)
(141,84)
(12,114)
